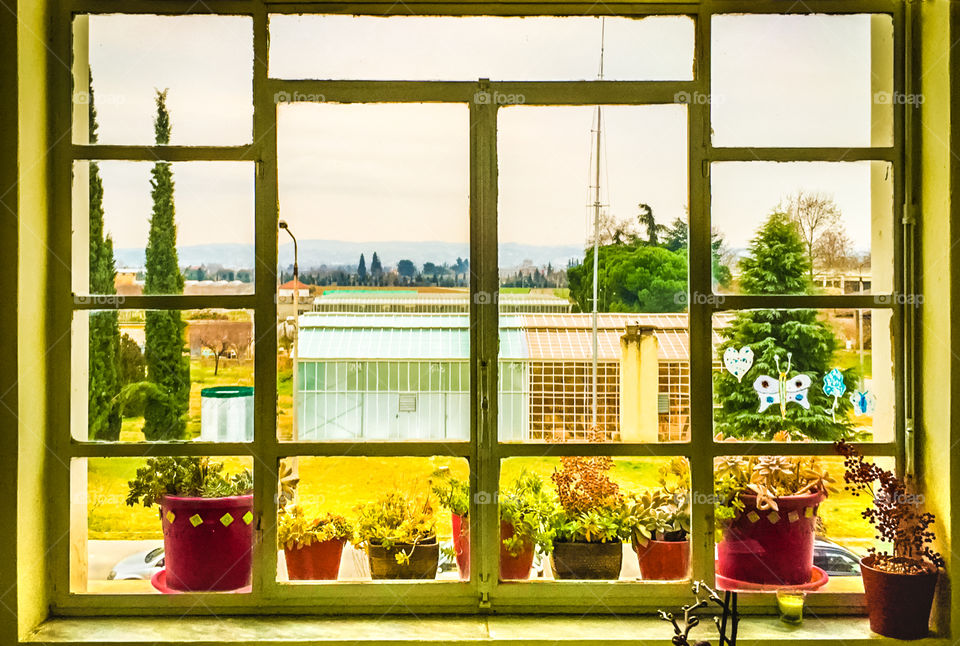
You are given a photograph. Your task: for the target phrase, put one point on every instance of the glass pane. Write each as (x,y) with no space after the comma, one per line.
(334,520)
(500,48)
(162,375)
(802,375)
(827,533)
(816,80)
(160,543)
(624,518)
(204,64)
(380,213)
(804,227)
(547,206)
(125,212)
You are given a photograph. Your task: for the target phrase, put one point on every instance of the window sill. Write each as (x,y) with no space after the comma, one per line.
(505,629)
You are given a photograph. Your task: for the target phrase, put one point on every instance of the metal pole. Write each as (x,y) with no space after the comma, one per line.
(596,237)
(295,461)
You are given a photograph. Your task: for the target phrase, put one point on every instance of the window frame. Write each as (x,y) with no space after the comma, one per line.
(484,591)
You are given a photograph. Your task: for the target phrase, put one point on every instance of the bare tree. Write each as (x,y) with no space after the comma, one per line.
(222,339)
(834,250)
(815,214)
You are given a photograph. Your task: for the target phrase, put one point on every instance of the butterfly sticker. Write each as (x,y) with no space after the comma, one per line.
(833,386)
(863,402)
(738,362)
(781,390)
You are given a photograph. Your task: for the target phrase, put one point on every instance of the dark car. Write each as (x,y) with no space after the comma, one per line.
(835,559)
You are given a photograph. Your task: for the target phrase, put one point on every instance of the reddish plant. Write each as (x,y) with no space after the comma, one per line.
(583,485)
(895,514)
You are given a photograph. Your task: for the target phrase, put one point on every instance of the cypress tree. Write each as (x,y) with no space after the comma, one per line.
(362,270)
(167,365)
(103,419)
(778,264)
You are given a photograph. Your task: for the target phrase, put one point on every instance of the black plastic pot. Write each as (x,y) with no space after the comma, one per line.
(587,560)
(422,564)
(898,604)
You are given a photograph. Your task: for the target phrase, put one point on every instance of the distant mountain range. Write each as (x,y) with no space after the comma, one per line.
(332,253)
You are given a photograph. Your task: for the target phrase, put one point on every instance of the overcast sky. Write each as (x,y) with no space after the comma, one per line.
(400,172)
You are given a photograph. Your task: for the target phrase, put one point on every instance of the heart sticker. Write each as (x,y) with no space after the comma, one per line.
(738,362)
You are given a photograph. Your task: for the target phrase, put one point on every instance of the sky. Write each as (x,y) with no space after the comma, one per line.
(400,172)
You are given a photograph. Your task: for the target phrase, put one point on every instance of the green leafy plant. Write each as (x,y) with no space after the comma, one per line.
(397,518)
(663,514)
(185,476)
(768,477)
(528,507)
(296,530)
(452,493)
(592,509)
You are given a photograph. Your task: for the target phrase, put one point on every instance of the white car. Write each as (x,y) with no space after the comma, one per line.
(140,566)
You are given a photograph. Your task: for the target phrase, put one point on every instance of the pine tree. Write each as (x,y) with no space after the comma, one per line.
(362,270)
(103,418)
(778,264)
(167,366)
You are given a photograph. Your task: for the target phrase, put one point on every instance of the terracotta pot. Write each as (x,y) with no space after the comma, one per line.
(764,547)
(898,604)
(461,544)
(663,560)
(587,560)
(514,567)
(316,561)
(424,558)
(207,542)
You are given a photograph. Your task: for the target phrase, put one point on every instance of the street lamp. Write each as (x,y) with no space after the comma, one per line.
(296,322)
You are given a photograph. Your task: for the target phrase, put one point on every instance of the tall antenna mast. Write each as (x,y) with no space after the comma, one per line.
(596,233)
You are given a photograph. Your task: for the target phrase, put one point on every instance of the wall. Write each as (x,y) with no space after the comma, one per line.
(33,341)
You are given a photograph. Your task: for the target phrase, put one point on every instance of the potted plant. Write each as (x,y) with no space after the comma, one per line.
(399,533)
(454,494)
(899,584)
(591,522)
(525,513)
(660,525)
(312,546)
(766,513)
(206,517)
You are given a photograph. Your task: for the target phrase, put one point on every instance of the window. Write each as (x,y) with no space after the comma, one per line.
(384,293)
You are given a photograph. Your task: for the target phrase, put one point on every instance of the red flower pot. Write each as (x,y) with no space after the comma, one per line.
(761,546)
(663,560)
(207,542)
(898,604)
(514,567)
(461,544)
(316,561)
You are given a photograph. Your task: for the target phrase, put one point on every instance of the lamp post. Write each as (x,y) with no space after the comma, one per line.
(296,323)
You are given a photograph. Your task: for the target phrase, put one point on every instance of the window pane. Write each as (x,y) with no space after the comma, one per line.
(801,375)
(803,227)
(546,222)
(198,385)
(203,63)
(828,534)
(380,213)
(624,518)
(803,80)
(534,48)
(116,548)
(204,208)
(349,505)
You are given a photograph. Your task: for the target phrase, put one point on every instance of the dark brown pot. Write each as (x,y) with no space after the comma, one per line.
(587,560)
(898,604)
(422,564)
